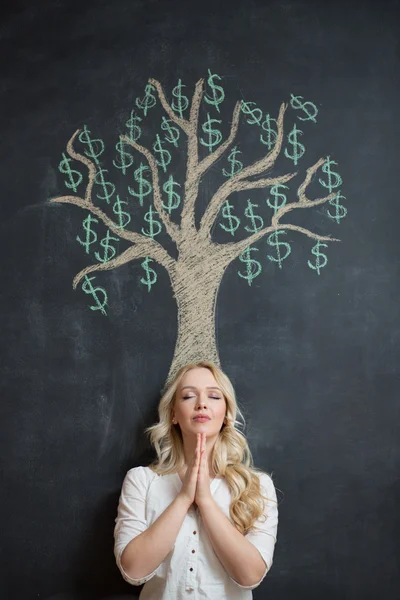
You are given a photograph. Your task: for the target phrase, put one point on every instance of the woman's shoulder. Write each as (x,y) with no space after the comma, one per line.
(266,479)
(140,469)
(140,474)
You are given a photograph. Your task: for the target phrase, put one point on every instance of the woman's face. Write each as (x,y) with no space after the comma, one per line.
(198,393)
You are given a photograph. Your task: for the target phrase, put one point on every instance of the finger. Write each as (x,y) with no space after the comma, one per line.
(201,465)
(196,452)
(199,454)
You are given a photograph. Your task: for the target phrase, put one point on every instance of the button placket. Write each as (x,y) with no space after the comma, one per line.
(192,549)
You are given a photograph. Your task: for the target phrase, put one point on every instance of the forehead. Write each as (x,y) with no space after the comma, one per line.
(198,377)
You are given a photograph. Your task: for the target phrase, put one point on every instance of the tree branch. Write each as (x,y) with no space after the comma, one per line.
(192,178)
(195,169)
(303,202)
(263,183)
(210,215)
(269,159)
(233,184)
(195,106)
(149,246)
(183,123)
(307,180)
(190,128)
(130,254)
(234,249)
(86,161)
(170,227)
(207,162)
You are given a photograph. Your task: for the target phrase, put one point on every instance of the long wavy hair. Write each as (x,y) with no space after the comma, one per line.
(231,457)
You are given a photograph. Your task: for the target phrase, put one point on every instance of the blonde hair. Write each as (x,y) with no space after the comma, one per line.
(231,458)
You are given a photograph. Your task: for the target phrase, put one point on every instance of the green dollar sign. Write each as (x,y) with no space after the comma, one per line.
(274,241)
(233,221)
(134,130)
(297,148)
(154,225)
(151,275)
(74,176)
(174,198)
(182,102)
(253,267)
(88,288)
(145,187)
(334,179)
(148,100)
(125,159)
(214,135)
(95,147)
(218,93)
(255,114)
(124,218)
(107,186)
(236,165)
(308,107)
(319,255)
(340,210)
(279,197)
(172,132)
(270,133)
(164,155)
(91,236)
(249,212)
(109,251)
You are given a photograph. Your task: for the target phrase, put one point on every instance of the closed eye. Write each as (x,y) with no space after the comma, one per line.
(213,397)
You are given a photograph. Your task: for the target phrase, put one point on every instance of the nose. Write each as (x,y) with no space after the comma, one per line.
(201,402)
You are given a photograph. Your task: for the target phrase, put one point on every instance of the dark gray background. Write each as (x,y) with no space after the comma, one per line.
(314,360)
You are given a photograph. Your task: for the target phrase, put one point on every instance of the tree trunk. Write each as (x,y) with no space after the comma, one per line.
(195,284)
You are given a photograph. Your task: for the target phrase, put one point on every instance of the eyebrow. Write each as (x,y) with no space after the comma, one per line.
(193,387)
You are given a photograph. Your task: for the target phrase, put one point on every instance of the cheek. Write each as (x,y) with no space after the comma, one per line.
(185,411)
(221,411)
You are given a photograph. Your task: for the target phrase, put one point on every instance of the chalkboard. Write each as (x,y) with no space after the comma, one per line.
(104,297)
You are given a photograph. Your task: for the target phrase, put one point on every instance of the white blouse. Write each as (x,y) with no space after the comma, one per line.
(186,574)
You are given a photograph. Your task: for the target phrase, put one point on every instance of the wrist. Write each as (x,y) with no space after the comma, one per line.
(183,501)
(205,504)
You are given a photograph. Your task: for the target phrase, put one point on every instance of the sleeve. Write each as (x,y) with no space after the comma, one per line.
(264,538)
(131,517)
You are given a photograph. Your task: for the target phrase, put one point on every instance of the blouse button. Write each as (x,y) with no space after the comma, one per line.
(194,532)
(193,551)
(191,569)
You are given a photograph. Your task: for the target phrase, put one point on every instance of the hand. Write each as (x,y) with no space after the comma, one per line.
(189,483)
(203,493)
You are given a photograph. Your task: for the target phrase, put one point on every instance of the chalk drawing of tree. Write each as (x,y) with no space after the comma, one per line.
(199,264)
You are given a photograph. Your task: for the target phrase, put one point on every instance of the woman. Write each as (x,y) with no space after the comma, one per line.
(194,523)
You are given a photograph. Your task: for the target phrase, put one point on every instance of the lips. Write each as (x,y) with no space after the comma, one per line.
(201,419)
